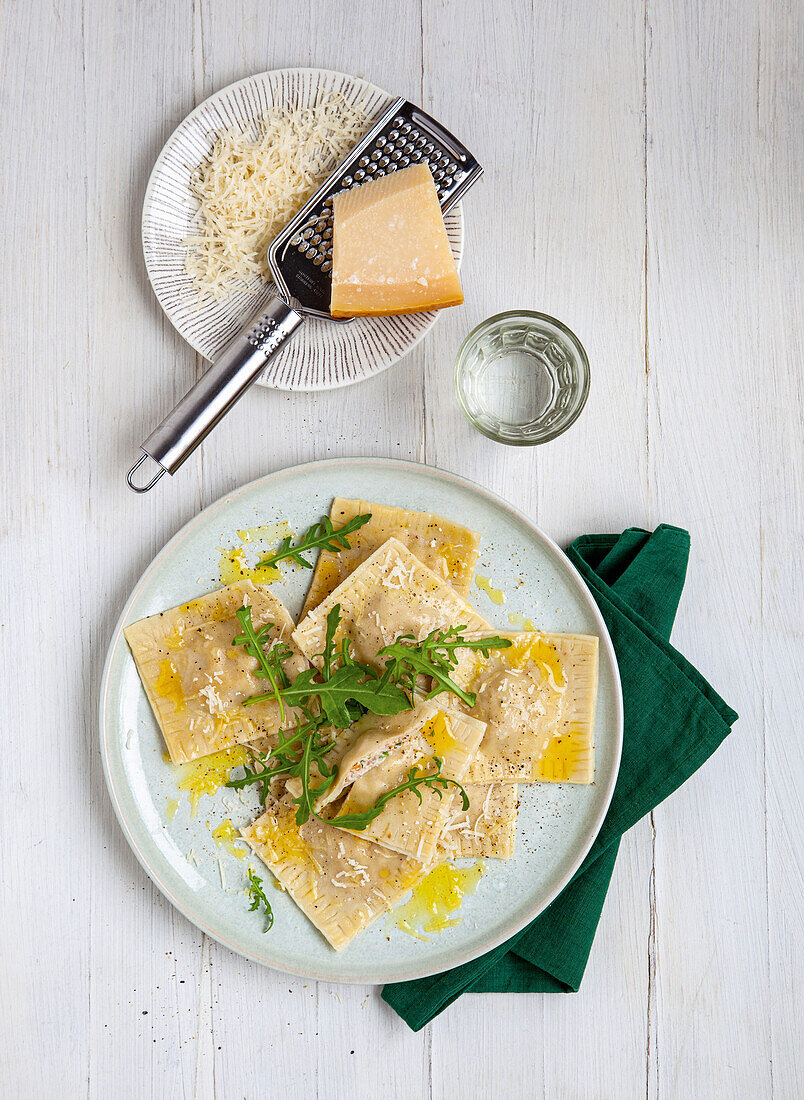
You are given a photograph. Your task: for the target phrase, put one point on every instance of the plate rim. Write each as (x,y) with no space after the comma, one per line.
(319,974)
(147,202)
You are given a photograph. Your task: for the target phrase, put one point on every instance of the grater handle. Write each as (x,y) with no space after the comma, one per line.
(215,392)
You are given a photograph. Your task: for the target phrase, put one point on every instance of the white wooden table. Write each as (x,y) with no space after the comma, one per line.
(643,183)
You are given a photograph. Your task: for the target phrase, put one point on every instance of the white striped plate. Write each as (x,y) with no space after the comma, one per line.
(322,355)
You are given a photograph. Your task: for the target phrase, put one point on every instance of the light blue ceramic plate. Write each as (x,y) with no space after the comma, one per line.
(557,823)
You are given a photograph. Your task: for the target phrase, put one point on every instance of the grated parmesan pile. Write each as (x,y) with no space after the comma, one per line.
(258,175)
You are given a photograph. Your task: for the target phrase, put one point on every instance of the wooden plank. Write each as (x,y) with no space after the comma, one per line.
(137,86)
(712,1031)
(42,249)
(780,400)
(277,1042)
(540,239)
(79,325)
(589,199)
(368,1050)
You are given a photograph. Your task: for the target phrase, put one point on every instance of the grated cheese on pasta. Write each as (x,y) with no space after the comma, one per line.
(256,178)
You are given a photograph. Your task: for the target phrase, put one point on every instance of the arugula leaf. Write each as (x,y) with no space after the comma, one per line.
(343,692)
(435,656)
(307,798)
(321,536)
(258,898)
(270,659)
(313,751)
(414,780)
(351,684)
(348,684)
(286,764)
(252,775)
(333,619)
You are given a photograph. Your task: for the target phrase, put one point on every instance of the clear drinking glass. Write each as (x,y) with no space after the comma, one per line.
(522,377)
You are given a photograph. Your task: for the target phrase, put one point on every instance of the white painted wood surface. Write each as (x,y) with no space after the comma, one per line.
(643,183)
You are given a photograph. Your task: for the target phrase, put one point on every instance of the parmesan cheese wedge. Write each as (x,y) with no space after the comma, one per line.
(390,252)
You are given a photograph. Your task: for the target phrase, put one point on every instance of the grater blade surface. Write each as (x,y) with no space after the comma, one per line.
(300,258)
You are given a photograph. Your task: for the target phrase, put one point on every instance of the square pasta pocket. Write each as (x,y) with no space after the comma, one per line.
(446,547)
(340,882)
(390,594)
(537,699)
(197,679)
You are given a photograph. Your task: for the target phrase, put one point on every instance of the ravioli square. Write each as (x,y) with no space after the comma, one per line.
(389,594)
(340,882)
(446,547)
(537,699)
(379,757)
(487,829)
(196,678)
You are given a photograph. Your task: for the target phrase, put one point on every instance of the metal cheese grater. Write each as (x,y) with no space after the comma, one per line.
(300,260)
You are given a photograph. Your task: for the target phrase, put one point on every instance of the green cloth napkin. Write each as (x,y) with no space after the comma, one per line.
(673,722)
